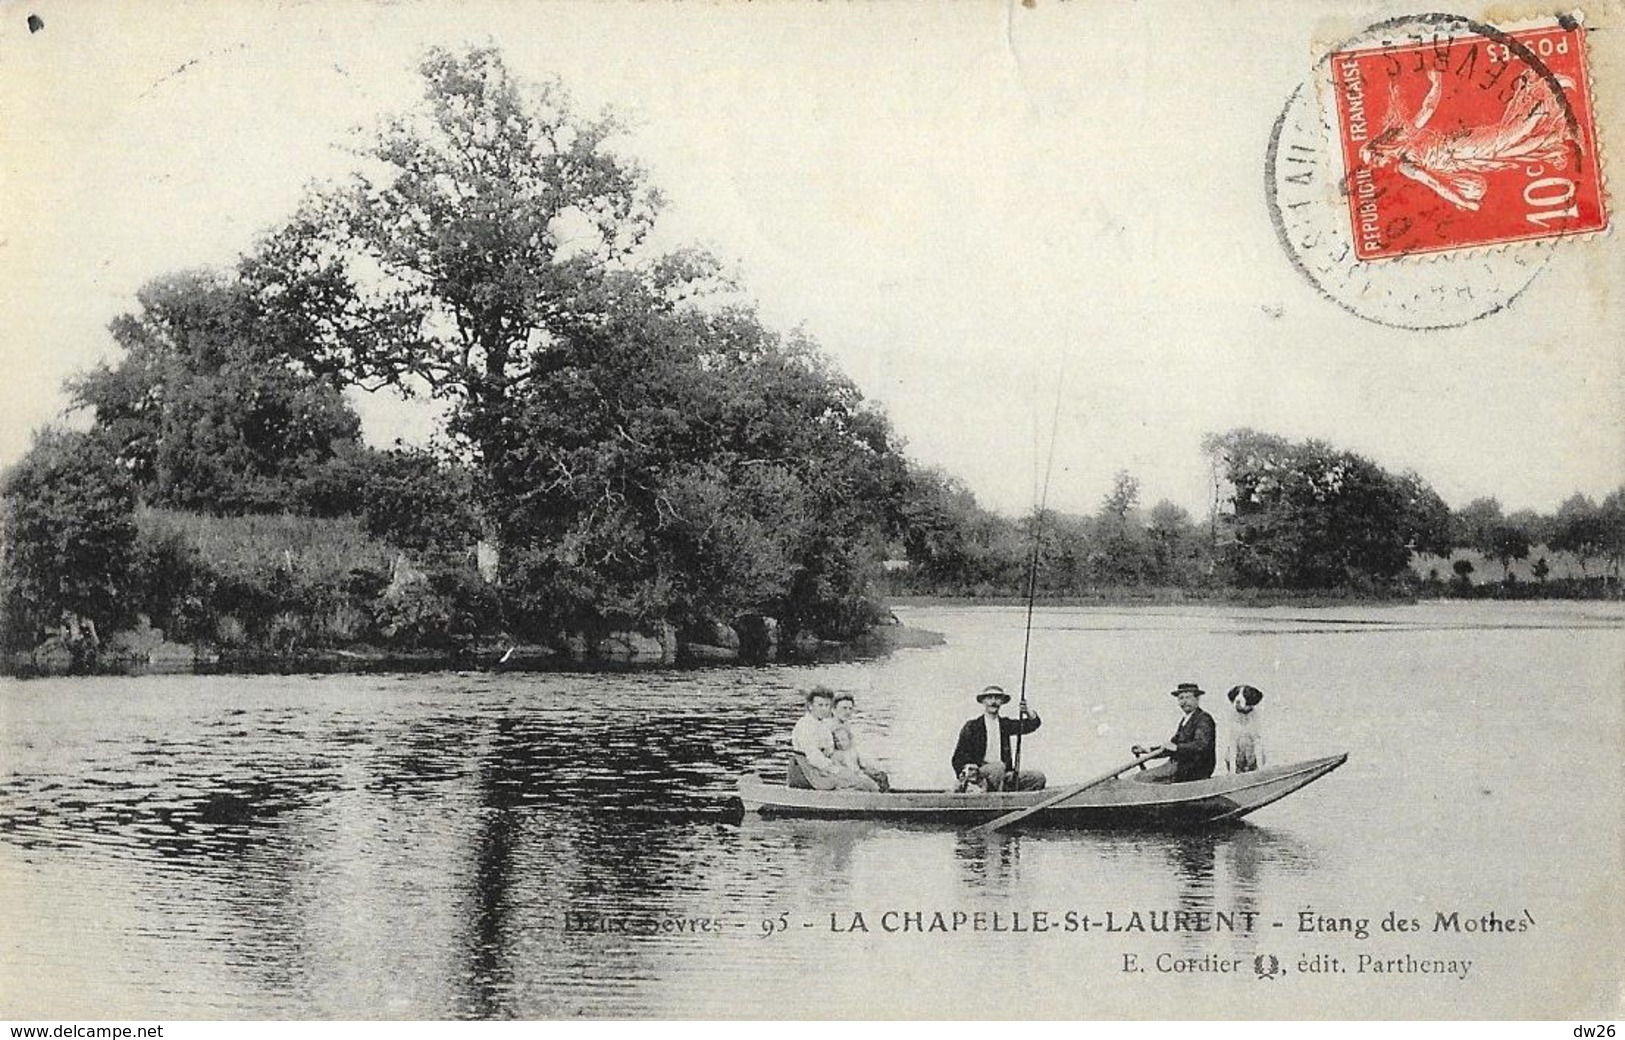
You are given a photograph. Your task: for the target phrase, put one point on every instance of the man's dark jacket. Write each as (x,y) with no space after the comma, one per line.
(972,746)
(1193,743)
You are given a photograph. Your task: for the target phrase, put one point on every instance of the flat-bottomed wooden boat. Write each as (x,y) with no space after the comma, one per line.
(1121,802)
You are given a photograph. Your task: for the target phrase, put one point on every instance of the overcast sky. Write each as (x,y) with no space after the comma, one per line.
(963,204)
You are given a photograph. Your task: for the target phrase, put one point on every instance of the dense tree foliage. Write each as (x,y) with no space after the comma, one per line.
(1473,525)
(1578,528)
(1481,527)
(1308,516)
(1612,513)
(1124,549)
(489,235)
(67,512)
(692,465)
(207,413)
(1584,529)
(1291,517)
(1508,541)
(1428,521)
(415,500)
(639,458)
(951,543)
(956,547)
(1178,550)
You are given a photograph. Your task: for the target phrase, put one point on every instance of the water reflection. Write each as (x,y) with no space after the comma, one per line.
(988,861)
(493,869)
(1191,857)
(533,846)
(588,834)
(542,850)
(824,848)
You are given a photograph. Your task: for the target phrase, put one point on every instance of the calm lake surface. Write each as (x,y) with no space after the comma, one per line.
(549,845)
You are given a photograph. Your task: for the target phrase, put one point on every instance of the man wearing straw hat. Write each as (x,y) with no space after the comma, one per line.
(984,742)
(1191,749)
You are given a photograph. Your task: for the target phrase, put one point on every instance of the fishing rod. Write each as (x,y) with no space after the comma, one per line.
(1032,568)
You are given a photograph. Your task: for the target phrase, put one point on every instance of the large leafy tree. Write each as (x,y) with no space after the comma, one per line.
(1612,513)
(1125,556)
(1427,517)
(204,410)
(470,251)
(1578,529)
(1069,551)
(693,465)
(1507,541)
(1310,516)
(638,457)
(1473,524)
(956,546)
(1481,526)
(67,515)
(936,514)
(1174,545)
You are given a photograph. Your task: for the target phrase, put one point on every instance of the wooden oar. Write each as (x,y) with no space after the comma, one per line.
(1063,794)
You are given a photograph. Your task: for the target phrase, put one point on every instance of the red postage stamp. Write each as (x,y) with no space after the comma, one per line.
(1468,140)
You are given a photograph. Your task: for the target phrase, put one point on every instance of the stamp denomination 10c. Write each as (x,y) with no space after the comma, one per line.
(1467,140)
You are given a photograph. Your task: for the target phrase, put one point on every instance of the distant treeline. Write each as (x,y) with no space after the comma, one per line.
(1286,517)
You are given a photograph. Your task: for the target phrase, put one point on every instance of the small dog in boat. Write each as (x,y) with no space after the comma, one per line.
(1244,752)
(971,781)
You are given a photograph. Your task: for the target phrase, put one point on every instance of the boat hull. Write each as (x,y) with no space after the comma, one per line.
(1122,802)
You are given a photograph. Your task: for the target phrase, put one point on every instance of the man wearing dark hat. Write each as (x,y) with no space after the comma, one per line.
(1191,749)
(984,742)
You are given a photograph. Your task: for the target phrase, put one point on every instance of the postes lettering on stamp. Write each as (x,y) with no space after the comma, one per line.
(1424,174)
(1466,140)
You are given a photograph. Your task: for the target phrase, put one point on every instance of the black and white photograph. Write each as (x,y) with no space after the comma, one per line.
(714,510)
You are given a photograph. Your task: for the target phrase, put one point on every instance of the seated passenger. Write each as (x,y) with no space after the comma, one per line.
(1191,749)
(849,753)
(984,745)
(813,740)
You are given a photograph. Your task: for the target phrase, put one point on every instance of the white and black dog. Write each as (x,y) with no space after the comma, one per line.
(970,781)
(1245,750)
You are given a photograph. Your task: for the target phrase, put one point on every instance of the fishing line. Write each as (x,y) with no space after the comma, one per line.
(1032,568)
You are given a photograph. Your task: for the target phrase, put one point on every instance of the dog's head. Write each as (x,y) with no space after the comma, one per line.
(1245,698)
(970,781)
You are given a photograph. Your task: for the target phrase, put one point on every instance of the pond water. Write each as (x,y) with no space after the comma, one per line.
(553,845)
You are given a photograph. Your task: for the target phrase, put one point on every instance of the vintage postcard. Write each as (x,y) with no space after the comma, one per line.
(788,510)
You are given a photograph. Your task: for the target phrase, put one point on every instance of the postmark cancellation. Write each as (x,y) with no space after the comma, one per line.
(1424,171)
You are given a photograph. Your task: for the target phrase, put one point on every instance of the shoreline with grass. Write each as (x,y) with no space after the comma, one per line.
(280,593)
(1597,588)
(283,593)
